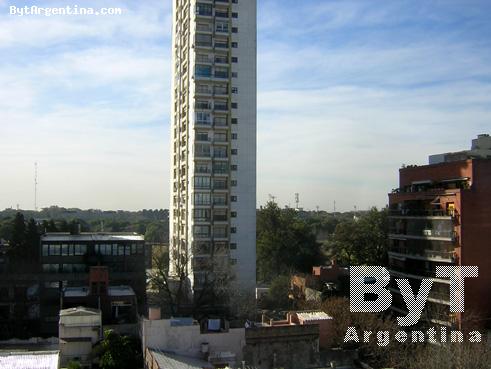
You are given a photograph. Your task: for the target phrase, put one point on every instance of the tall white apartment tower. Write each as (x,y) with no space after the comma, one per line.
(213,147)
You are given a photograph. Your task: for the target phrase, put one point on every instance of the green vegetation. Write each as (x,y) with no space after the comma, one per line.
(362,240)
(118,352)
(151,223)
(286,243)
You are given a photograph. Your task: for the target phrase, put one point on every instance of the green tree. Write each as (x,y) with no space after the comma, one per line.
(74,365)
(157,232)
(32,241)
(278,294)
(285,243)
(363,240)
(118,352)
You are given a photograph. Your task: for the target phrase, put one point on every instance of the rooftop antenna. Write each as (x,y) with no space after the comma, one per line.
(317,207)
(334,206)
(36,186)
(272,198)
(297,200)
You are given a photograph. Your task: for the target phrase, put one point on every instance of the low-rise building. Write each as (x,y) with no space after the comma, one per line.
(80,329)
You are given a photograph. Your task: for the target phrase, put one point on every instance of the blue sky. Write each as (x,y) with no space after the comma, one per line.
(347,92)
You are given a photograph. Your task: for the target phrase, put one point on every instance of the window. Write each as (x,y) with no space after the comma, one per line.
(54,250)
(234,151)
(234,120)
(235,74)
(220,137)
(204,9)
(233,214)
(221,247)
(80,250)
(233,198)
(202,182)
(235,30)
(67,268)
(201,231)
(221,72)
(233,261)
(50,268)
(203,104)
(202,199)
(203,70)
(219,199)
(235,15)
(220,168)
(103,249)
(202,215)
(234,105)
(233,167)
(233,246)
(219,184)
(202,167)
(222,27)
(235,44)
(45,250)
(234,136)
(235,90)
(202,136)
(220,152)
(202,150)
(121,249)
(203,40)
(220,215)
(235,59)
(220,231)
(233,183)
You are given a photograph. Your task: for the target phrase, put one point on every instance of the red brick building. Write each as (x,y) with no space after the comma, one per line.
(441,215)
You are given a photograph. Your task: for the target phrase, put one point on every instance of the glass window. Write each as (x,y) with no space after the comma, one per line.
(120,249)
(67,268)
(204,9)
(202,182)
(201,231)
(203,70)
(45,250)
(55,250)
(78,268)
(140,249)
(127,249)
(201,215)
(202,199)
(220,152)
(65,250)
(133,248)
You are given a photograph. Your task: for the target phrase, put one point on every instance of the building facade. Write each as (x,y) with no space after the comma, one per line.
(440,215)
(213,139)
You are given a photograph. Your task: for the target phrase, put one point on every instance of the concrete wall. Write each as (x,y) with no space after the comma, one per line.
(187,340)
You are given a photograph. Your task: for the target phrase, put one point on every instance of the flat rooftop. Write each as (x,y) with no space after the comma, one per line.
(95,237)
(167,360)
(29,359)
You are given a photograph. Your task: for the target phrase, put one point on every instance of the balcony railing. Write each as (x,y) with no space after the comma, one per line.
(432,254)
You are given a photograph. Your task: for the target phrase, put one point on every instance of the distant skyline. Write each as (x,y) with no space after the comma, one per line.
(347,92)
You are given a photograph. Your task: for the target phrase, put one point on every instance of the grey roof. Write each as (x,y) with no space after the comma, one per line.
(29,360)
(79,311)
(166,360)
(97,237)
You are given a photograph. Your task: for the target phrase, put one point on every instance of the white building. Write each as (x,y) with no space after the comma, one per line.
(79,329)
(213,138)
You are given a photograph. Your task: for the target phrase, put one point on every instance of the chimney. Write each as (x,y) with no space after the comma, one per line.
(154,313)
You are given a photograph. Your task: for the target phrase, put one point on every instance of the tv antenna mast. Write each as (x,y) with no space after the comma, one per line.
(297,200)
(271,198)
